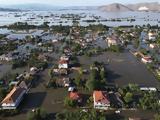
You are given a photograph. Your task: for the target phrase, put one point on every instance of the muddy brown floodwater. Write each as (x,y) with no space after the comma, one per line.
(123,68)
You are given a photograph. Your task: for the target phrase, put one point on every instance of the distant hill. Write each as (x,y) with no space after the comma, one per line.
(116,7)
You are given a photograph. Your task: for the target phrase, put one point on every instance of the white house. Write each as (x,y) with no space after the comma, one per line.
(54,41)
(152,36)
(101,100)
(143,8)
(152,46)
(112,41)
(8,57)
(146,59)
(63,64)
(50,49)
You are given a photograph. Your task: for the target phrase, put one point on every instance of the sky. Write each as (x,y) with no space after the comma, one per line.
(73,2)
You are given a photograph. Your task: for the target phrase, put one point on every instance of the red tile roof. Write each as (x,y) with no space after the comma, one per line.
(74,95)
(101,96)
(63,62)
(13,95)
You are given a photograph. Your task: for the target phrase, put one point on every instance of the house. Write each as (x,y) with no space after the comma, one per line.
(13,83)
(66,58)
(158,72)
(50,49)
(2,57)
(54,41)
(101,100)
(152,36)
(112,41)
(143,8)
(64,82)
(75,96)
(152,46)
(7,57)
(40,44)
(60,71)
(71,89)
(43,57)
(63,71)
(146,59)
(14,98)
(33,70)
(63,64)
(153,89)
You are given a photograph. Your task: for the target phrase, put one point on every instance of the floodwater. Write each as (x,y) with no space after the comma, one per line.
(123,68)
(54,17)
(7,68)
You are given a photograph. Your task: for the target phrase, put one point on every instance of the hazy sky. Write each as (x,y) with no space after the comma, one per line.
(73,2)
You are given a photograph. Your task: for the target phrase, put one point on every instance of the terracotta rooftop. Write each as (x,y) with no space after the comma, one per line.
(74,95)
(101,96)
(13,95)
(63,62)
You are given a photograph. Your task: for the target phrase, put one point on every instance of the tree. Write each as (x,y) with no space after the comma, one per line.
(78,80)
(69,102)
(128,97)
(50,73)
(28,38)
(81,71)
(59,116)
(31,116)
(148,26)
(133,88)
(149,101)
(42,113)
(102,73)
(38,114)
(91,85)
(2,93)
(80,115)
(115,48)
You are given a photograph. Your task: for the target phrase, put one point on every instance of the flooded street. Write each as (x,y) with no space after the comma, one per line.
(39,96)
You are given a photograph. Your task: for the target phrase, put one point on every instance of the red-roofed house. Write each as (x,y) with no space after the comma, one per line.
(75,96)
(101,100)
(63,64)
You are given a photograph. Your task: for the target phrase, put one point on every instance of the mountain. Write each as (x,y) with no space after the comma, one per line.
(116,7)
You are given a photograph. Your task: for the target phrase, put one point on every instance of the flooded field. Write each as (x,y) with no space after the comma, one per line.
(7,68)
(123,68)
